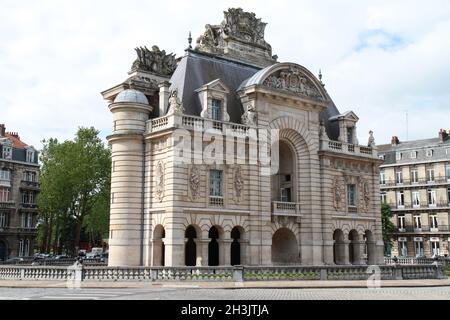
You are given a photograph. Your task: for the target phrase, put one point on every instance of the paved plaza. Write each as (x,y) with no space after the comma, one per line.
(183,293)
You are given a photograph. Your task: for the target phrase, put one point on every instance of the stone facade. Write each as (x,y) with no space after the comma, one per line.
(19,173)
(415,182)
(238,159)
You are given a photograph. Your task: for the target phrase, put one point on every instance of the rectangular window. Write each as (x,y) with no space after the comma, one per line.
(398,156)
(413,154)
(215,183)
(429,152)
(4,194)
(418,247)
(402,248)
(2,219)
(351,192)
(400,199)
(7,153)
(432,198)
(414,176)
(383,197)
(401,222)
(350,135)
(216,109)
(382,177)
(434,247)
(29,221)
(23,220)
(5,175)
(285,194)
(415,196)
(398,177)
(21,248)
(430,175)
(447,171)
(433,222)
(417,222)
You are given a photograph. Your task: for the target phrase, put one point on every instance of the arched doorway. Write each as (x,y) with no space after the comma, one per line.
(3,251)
(158,245)
(283,183)
(354,247)
(190,253)
(235,247)
(284,247)
(338,247)
(370,247)
(213,247)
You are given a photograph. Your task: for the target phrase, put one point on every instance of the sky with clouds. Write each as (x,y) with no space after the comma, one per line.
(380,59)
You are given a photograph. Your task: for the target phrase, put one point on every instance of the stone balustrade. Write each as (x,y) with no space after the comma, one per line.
(283,208)
(220,274)
(348,148)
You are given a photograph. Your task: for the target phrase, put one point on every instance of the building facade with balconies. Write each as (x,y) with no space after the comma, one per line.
(19,173)
(415,182)
(225,156)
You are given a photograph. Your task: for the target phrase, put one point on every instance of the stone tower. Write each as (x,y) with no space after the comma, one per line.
(130,111)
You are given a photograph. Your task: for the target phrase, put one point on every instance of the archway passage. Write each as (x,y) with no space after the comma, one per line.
(190,253)
(283,183)
(158,245)
(3,251)
(213,247)
(338,247)
(284,247)
(353,247)
(235,247)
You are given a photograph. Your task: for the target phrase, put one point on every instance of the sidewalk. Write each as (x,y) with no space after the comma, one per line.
(226,285)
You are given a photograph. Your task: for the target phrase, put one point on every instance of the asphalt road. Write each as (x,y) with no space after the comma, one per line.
(409,293)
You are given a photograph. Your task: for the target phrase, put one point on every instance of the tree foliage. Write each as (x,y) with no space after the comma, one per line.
(75,190)
(388,228)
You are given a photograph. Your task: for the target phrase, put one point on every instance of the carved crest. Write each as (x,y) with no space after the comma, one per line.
(238,184)
(160,181)
(194,182)
(364,188)
(293,80)
(338,192)
(155,61)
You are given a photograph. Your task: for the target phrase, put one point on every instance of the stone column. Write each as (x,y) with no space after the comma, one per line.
(157,252)
(202,251)
(225,252)
(371,253)
(345,254)
(174,252)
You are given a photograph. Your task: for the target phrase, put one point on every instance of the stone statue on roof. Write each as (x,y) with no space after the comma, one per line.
(154,61)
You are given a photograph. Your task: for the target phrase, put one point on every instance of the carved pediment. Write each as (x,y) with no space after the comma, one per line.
(293,80)
(215,85)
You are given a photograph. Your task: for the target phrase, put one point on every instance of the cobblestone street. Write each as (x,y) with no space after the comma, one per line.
(411,293)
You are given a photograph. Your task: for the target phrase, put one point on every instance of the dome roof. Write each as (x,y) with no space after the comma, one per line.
(131,95)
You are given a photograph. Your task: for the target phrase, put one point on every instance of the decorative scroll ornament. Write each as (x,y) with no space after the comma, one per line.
(155,61)
(249,116)
(160,181)
(293,80)
(365,194)
(238,184)
(194,182)
(175,106)
(338,192)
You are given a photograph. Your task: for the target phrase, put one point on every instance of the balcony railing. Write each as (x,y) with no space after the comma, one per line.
(7,204)
(216,201)
(411,206)
(33,185)
(26,205)
(419,182)
(348,148)
(195,123)
(281,208)
(424,228)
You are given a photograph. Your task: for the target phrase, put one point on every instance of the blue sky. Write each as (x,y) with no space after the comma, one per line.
(378,58)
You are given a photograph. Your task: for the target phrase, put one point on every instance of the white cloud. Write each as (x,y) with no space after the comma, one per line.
(56,57)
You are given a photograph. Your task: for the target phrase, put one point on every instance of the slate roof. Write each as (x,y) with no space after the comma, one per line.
(197,69)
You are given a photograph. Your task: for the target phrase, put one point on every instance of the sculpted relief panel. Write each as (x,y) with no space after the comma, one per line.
(294,81)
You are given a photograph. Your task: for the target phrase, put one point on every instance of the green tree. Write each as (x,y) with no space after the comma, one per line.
(75,188)
(388,228)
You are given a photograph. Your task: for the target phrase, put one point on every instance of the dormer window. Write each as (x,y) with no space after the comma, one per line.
(429,152)
(347,126)
(30,155)
(7,152)
(350,135)
(413,154)
(398,156)
(213,98)
(216,109)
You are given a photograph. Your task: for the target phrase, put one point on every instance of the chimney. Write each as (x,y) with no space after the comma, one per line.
(14,134)
(443,135)
(2,130)
(163,97)
(395,141)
